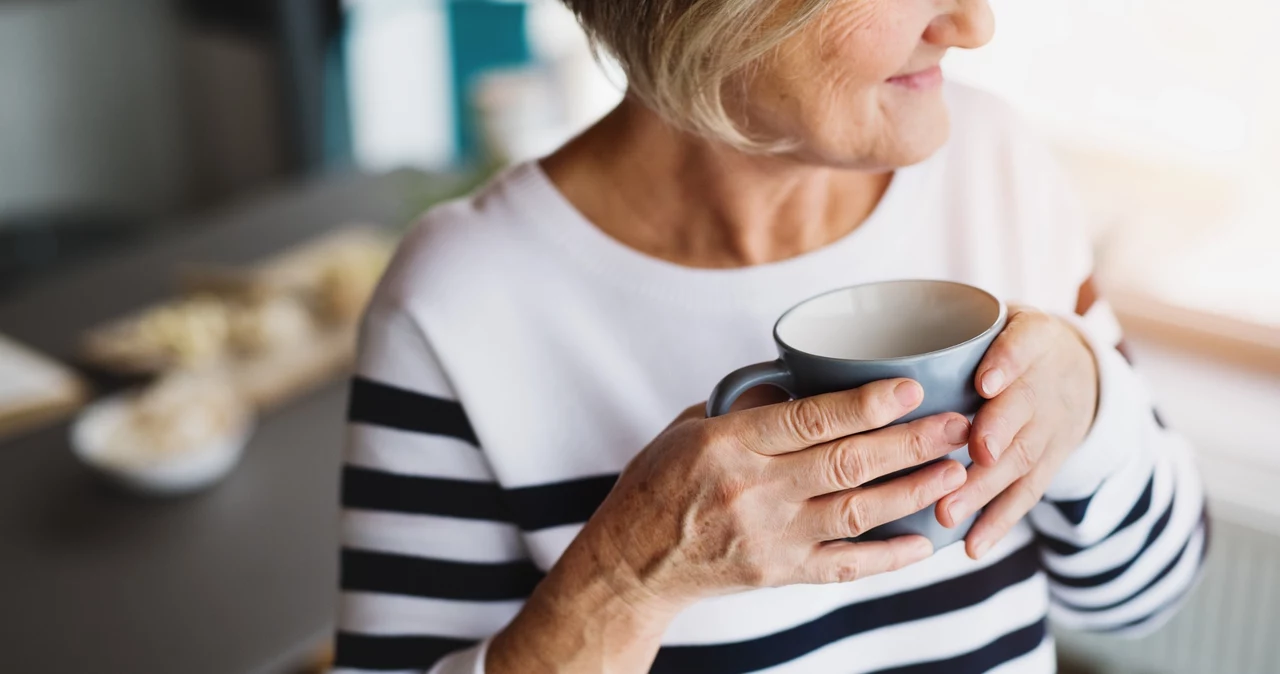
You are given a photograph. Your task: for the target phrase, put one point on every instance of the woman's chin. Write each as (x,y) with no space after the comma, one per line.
(915,138)
(902,152)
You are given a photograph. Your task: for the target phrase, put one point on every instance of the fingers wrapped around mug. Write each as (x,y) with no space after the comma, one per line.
(834,519)
(1012,400)
(800,424)
(1041,386)
(851,513)
(1005,491)
(854,461)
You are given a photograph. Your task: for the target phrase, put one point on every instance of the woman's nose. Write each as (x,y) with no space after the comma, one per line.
(968,24)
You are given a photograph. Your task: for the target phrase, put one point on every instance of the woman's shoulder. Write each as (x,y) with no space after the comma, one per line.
(460,245)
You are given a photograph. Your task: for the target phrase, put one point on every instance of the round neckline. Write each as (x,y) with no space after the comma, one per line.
(541,205)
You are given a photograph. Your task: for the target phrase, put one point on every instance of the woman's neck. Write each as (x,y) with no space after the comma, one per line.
(696,203)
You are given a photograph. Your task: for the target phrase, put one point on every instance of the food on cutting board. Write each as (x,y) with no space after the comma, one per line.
(202,330)
(262,325)
(347,280)
(309,297)
(186,333)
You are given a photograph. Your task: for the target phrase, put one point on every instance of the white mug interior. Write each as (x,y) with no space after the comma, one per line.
(892,319)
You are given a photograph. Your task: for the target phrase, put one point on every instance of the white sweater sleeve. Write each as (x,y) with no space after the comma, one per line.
(1122,528)
(432,563)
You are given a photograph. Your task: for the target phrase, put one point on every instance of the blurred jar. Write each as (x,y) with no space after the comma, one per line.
(520,114)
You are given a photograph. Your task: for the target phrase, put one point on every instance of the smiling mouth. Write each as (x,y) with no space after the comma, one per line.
(929,78)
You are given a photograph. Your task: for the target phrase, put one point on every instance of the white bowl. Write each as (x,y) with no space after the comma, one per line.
(181,472)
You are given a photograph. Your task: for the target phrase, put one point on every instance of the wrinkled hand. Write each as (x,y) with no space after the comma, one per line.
(1042,385)
(763,497)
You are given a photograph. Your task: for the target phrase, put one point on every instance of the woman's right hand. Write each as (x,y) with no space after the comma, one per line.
(756,498)
(762,497)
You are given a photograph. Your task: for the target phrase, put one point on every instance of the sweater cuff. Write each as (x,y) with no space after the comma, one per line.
(1116,434)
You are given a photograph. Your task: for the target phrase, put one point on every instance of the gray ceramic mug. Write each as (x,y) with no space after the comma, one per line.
(934,332)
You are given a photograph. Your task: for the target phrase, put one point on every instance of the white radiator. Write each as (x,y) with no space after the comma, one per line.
(1230,625)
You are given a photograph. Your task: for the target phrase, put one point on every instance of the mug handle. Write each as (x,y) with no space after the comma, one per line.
(739,381)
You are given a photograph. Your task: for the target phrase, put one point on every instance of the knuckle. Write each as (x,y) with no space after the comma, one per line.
(922,493)
(1028,395)
(856,514)
(846,570)
(876,406)
(1020,455)
(918,444)
(1039,479)
(1010,352)
(996,527)
(1002,520)
(808,420)
(1025,494)
(848,465)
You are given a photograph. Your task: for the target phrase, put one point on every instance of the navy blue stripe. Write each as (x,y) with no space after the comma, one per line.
(1074,511)
(1008,647)
(559,503)
(1057,545)
(1139,509)
(360,651)
(531,508)
(366,571)
(378,404)
(1112,574)
(367,489)
(1177,599)
(943,597)
(1158,577)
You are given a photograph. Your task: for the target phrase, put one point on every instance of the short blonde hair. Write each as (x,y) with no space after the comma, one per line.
(679,55)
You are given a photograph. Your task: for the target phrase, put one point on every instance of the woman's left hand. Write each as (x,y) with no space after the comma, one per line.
(1042,385)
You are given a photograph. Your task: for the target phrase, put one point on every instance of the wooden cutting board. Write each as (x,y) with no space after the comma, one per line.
(35,390)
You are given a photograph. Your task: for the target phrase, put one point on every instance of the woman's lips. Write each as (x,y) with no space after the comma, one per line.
(928,78)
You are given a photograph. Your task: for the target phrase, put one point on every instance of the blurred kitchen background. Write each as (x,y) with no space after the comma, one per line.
(184,182)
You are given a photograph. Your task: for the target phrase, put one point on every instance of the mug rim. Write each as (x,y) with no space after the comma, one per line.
(1001,314)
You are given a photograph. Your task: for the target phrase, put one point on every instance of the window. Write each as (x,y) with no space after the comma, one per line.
(1168,114)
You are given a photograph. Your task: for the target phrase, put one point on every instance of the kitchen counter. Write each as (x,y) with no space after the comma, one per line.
(237,580)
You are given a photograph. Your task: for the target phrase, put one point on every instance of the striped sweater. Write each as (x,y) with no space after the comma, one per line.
(515,358)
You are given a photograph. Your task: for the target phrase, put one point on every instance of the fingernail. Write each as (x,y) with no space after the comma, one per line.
(922,549)
(908,392)
(993,448)
(957,511)
(953,476)
(992,381)
(956,431)
(980,548)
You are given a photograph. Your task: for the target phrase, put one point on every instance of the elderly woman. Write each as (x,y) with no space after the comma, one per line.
(518,498)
